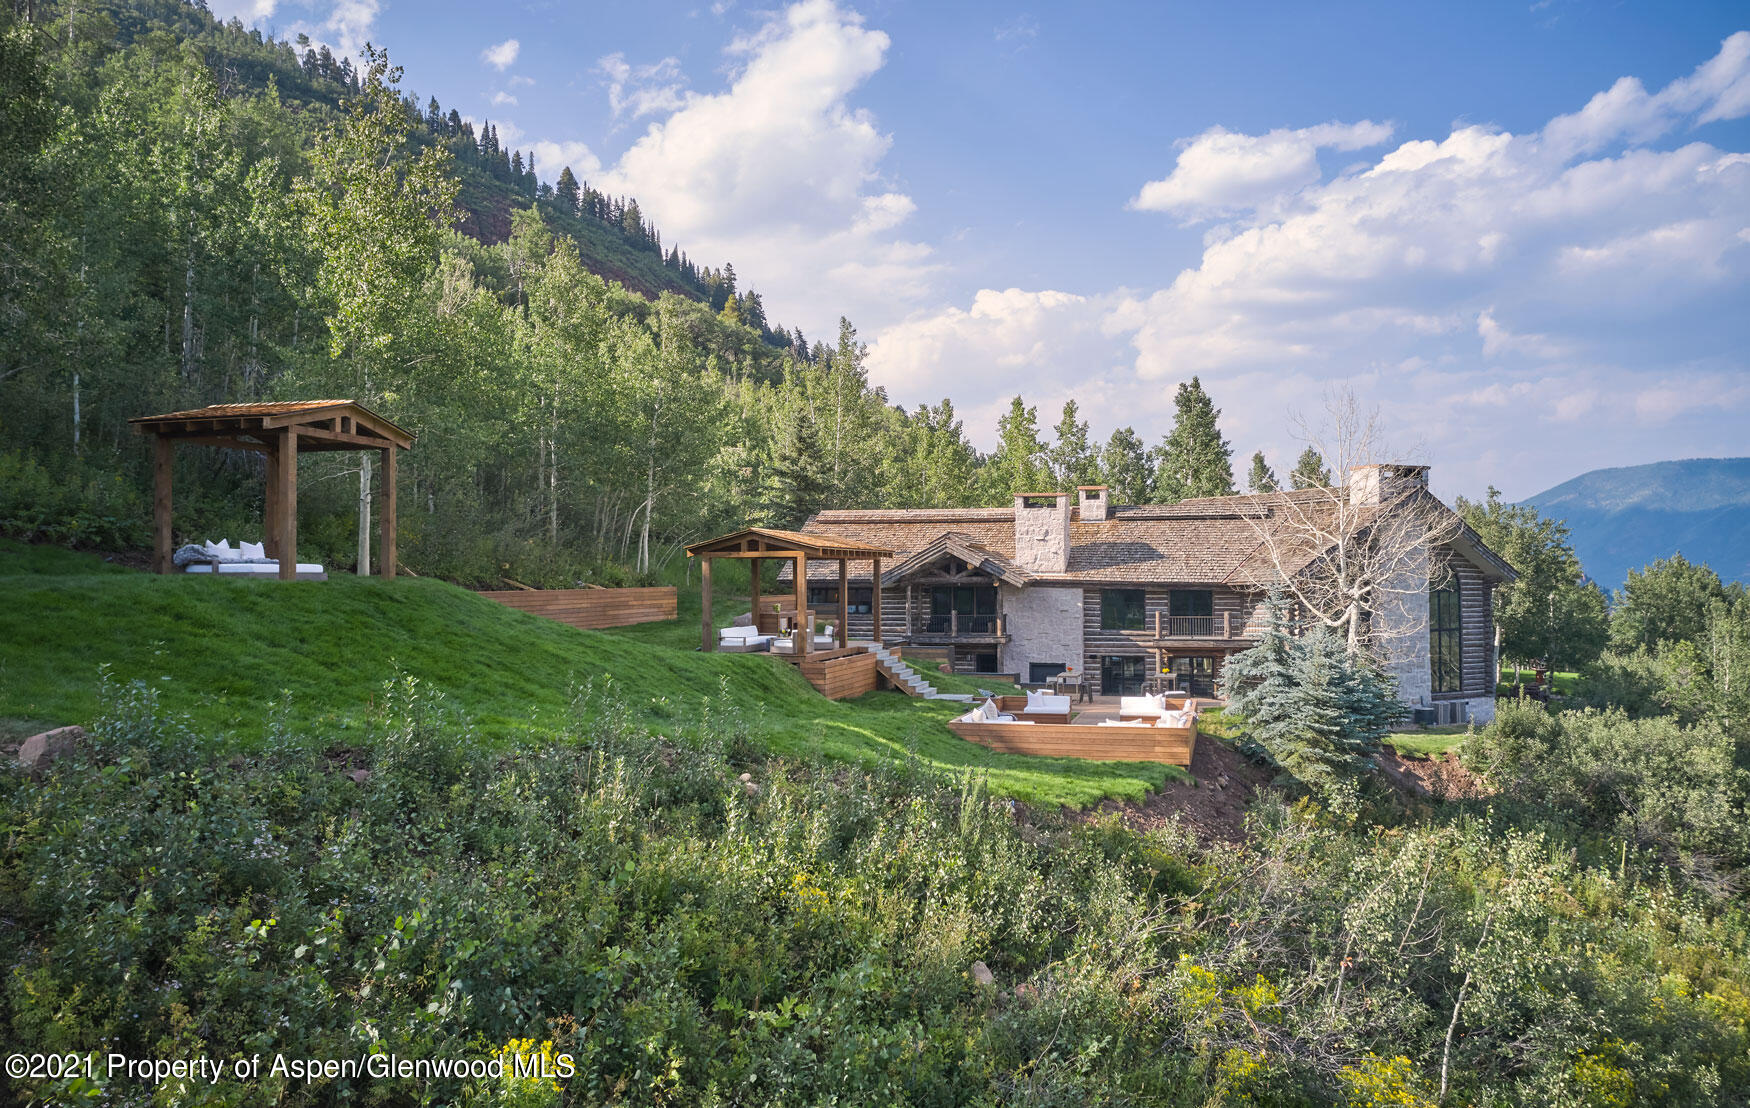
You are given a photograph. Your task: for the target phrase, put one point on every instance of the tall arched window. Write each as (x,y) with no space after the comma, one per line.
(1445,636)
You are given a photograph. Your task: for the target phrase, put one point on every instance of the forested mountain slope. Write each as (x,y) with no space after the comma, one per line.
(1624,518)
(193,213)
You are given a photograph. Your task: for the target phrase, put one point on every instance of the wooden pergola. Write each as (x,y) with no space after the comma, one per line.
(760,543)
(280,431)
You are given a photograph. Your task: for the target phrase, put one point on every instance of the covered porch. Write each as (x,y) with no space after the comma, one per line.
(758,544)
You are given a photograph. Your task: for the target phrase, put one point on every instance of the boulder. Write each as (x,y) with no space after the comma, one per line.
(981,973)
(360,775)
(39,751)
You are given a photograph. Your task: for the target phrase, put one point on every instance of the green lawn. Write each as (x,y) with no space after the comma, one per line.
(1565,683)
(1428,741)
(228,653)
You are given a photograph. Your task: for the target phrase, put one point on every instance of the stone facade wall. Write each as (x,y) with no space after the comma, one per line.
(1042,536)
(1044,625)
(1400,628)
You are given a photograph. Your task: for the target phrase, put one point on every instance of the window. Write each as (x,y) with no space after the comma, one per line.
(968,609)
(1191,612)
(1041,673)
(1195,673)
(1445,635)
(824,599)
(1121,674)
(1122,609)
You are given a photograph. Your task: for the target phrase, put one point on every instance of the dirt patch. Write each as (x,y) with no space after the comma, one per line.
(1440,777)
(1213,806)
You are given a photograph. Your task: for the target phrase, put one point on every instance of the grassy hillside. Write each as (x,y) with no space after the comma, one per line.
(230,655)
(1625,517)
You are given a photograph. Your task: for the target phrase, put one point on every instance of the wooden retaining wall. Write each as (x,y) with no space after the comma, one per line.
(1172,745)
(840,674)
(592,609)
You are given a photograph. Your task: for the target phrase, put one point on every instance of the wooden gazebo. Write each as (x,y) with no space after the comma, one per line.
(760,543)
(279,430)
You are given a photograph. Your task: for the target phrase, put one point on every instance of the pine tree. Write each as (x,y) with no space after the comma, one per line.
(798,481)
(1262,478)
(1309,472)
(1124,468)
(1194,460)
(1019,463)
(565,192)
(1072,462)
(1258,684)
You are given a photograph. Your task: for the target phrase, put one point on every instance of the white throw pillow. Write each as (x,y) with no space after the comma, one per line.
(988,711)
(252,550)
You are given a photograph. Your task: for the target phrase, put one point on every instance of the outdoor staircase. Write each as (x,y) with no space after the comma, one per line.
(905,678)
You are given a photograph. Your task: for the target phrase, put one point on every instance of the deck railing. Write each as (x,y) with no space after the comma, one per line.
(954,624)
(1194,627)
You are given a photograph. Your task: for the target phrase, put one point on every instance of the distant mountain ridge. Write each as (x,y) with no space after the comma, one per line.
(1623,518)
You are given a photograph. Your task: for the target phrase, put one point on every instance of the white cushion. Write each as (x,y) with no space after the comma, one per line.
(732,633)
(1140,705)
(252,551)
(1173,719)
(1047,703)
(988,712)
(1125,723)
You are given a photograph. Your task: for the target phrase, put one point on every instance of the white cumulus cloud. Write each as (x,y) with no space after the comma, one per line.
(1221,172)
(502,56)
(781,173)
(641,90)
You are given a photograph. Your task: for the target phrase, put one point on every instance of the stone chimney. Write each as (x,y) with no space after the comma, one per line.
(1093,502)
(1042,531)
(1377,484)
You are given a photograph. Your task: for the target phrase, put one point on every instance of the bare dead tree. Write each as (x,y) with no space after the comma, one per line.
(1357,556)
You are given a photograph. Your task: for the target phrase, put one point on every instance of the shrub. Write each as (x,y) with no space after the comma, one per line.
(76,508)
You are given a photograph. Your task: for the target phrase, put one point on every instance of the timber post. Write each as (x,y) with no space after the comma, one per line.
(162,471)
(386,515)
(707,642)
(844,633)
(875,600)
(288,504)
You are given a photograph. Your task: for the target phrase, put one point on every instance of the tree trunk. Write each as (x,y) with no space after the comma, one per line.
(553,474)
(188,314)
(364,567)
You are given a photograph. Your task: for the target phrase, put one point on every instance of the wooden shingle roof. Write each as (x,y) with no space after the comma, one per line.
(326,424)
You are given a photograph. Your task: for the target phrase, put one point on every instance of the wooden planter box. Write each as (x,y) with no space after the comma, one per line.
(1172,745)
(592,609)
(840,674)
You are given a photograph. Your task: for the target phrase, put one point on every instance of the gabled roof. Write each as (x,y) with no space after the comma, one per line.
(757,540)
(321,424)
(955,544)
(1208,541)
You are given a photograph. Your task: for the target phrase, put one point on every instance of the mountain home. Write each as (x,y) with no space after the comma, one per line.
(1124,592)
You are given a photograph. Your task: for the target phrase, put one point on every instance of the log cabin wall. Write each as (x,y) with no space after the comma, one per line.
(1241,611)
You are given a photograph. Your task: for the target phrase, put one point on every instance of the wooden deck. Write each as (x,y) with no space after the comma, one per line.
(839,674)
(592,609)
(1077,739)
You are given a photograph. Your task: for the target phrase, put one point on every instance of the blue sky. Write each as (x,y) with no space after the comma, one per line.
(1522,230)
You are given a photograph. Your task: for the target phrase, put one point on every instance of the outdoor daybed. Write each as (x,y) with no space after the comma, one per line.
(246,559)
(1170,737)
